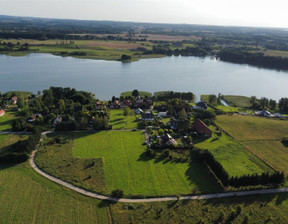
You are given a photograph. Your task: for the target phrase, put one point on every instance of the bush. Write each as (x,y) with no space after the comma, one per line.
(117,193)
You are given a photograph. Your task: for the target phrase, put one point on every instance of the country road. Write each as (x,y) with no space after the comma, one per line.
(172,198)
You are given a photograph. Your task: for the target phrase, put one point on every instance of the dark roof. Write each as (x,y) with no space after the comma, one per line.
(202,105)
(147,115)
(201,127)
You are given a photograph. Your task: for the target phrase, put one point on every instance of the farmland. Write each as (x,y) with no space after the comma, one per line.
(261,136)
(6,121)
(30,198)
(124,159)
(234,157)
(119,121)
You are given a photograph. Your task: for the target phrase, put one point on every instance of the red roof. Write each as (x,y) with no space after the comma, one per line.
(2,112)
(201,127)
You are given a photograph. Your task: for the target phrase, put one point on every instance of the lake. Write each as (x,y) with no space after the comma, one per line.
(107,78)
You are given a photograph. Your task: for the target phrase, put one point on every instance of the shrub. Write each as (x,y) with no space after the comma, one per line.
(118,193)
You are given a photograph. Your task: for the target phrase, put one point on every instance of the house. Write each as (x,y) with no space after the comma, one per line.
(168,140)
(201,106)
(113,105)
(263,113)
(147,116)
(2,112)
(125,103)
(162,114)
(14,100)
(100,105)
(201,128)
(138,111)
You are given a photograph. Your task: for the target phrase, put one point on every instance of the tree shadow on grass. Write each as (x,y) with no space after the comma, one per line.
(106,203)
(198,174)
(144,157)
(116,120)
(4,166)
(280,198)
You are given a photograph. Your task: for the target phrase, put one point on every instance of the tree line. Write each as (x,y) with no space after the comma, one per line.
(257,59)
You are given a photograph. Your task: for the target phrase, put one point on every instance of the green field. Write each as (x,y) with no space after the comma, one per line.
(234,157)
(119,121)
(23,94)
(7,140)
(124,159)
(238,101)
(27,198)
(261,136)
(125,166)
(253,128)
(6,121)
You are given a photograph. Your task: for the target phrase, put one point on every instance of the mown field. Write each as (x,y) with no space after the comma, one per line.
(119,121)
(261,136)
(234,157)
(6,121)
(7,140)
(125,166)
(27,198)
(238,101)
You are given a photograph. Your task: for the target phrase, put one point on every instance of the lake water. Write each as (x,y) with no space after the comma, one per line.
(107,78)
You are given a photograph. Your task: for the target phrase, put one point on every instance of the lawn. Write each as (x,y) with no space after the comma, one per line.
(119,121)
(233,156)
(261,136)
(6,121)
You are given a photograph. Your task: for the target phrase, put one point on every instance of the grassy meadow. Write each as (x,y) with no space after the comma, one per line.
(125,166)
(124,159)
(233,156)
(6,121)
(238,101)
(261,136)
(30,198)
(7,140)
(119,121)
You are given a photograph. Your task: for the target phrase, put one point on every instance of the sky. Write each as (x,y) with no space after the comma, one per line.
(255,13)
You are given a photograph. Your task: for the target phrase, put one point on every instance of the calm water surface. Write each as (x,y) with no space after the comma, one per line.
(107,78)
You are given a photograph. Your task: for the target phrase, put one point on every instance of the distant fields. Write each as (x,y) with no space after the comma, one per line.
(261,136)
(119,121)
(234,157)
